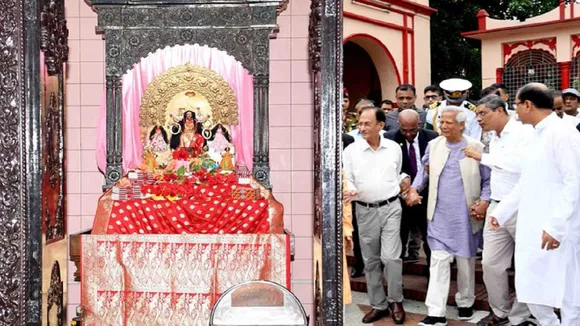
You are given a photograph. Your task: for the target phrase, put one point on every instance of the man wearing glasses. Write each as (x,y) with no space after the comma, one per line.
(432,94)
(547,200)
(504,158)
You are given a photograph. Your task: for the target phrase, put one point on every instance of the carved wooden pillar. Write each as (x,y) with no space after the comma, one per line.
(114,130)
(261,168)
(565,74)
(20,155)
(325,45)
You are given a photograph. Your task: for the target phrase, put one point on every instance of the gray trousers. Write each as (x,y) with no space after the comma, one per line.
(415,242)
(498,250)
(380,241)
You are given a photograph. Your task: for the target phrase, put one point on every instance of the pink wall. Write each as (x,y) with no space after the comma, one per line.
(290,132)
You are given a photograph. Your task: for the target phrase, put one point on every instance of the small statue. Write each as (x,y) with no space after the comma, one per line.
(227,163)
(220,139)
(158,141)
(186,134)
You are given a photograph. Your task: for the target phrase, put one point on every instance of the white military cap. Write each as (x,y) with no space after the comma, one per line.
(455,87)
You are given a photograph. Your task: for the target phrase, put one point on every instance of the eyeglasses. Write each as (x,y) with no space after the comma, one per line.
(430,97)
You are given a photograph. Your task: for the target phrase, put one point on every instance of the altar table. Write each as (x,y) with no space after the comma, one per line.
(148,280)
(205,215)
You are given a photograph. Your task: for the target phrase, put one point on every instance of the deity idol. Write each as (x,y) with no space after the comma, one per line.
(158,141)
(187,135)
(227,163)
(221,139)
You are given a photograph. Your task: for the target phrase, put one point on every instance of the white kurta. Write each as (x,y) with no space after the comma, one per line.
(547,197)
(574,121)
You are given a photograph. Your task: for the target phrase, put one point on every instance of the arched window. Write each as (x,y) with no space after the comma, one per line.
(531,66)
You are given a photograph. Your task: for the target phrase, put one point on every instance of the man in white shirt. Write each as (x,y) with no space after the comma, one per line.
(547,199)
(504,159)
(374,181)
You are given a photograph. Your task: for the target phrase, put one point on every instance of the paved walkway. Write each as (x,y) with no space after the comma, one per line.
(415,313)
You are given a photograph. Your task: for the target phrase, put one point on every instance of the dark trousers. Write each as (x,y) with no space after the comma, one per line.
(360,265)
(415,217)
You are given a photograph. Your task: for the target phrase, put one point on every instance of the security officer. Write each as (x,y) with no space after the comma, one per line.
(455,91)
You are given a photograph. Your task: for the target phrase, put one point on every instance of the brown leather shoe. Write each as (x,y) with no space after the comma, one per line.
(493,320)
(398,313)
(375,315)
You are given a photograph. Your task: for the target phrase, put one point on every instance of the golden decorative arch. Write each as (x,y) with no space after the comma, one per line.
(187,77)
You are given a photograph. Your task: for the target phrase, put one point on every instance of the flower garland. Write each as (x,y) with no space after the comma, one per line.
(176,185)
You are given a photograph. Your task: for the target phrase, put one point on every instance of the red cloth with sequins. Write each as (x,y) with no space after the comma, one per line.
(207,209)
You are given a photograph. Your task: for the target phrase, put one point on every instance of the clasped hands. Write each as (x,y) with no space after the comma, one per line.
(412,197)
(479,209)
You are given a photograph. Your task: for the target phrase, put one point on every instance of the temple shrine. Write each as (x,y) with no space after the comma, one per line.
(181,219)
(143,183)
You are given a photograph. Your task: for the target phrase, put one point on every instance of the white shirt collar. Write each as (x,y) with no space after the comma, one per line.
(365,145)
(509,127)
(415,140)
(547,121)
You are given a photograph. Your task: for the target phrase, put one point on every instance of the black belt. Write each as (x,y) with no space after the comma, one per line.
(377,205)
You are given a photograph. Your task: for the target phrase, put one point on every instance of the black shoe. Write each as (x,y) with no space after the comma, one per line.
(465,313)
(411,259)
(433,321)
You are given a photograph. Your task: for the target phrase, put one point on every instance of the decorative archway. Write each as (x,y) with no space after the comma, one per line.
(382,58)
(531,66)
(360,74)
(133,29)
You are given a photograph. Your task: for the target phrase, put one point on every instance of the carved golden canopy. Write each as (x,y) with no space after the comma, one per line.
(187,77)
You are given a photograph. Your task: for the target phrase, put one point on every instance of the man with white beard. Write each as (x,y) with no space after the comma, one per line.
(547,199)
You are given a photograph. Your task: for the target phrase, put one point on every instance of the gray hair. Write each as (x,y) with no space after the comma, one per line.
(363,103)
(493,102)
(460,115)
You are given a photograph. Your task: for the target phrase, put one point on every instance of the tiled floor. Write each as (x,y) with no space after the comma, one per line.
(415,312)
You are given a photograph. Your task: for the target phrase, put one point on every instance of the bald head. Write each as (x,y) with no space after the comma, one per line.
(538,86)
(409,123)
(537,95)
(409,116)
(534,102)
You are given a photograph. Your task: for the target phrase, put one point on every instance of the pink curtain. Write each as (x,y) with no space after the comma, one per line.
(136,81)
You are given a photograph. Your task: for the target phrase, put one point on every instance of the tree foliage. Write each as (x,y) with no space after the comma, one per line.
(455,56)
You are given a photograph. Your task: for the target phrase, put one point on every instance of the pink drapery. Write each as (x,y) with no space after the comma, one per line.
(136,81)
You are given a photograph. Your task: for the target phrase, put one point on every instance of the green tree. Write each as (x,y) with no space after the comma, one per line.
(455,56)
